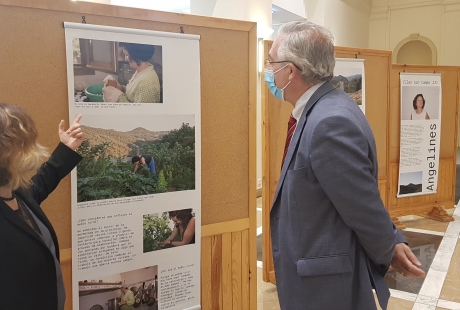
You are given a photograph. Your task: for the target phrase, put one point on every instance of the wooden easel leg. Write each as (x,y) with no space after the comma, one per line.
(438,214)
(398,223)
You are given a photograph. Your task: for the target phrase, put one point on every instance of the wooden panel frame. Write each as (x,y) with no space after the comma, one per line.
(445,196)
(243,72)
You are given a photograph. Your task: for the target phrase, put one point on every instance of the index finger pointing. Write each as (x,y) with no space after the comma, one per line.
(77,119)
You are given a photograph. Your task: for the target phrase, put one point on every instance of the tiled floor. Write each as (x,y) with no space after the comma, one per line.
(436,244)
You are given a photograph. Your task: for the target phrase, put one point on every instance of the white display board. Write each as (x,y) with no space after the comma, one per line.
(139,184)
(421,100)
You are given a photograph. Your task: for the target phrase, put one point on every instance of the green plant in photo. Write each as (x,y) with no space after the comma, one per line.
(156,230)
(162,184)
(100,176)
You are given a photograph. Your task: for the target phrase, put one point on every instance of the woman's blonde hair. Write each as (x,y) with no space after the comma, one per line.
(20,154)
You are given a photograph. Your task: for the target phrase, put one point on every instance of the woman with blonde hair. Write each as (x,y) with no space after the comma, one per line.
(29,250)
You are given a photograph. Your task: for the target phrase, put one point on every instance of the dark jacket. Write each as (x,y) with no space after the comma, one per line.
(27,268)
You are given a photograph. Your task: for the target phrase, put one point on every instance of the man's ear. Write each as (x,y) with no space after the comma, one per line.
(294,71)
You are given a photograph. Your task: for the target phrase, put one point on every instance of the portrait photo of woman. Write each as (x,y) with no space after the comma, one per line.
(419,105)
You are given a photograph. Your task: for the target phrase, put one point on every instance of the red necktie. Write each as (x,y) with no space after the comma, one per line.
(291,128)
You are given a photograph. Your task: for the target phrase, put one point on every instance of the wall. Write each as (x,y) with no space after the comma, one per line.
(249,10)
(295,6)
(391,23)
(348,20)
(349,23)
(316,11)
(415,52)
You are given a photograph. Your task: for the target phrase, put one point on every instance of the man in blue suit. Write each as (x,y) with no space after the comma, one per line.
(333,240)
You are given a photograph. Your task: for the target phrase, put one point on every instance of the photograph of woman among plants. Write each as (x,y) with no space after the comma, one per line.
(168,230)
(151,154)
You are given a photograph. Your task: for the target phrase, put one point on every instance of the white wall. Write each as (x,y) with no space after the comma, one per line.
(450,45)
(406,21)
(316,11)
(390,24)
(202,7)
(182,6)
(259,11)
(297,7)
(415,52)
(349,24)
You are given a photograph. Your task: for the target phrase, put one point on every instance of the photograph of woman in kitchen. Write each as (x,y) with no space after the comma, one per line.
(144,86)
(133,289)
(108,71)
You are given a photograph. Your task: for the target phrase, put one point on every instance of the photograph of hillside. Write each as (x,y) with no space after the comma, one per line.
(166,144)
(352,85)
(410,182)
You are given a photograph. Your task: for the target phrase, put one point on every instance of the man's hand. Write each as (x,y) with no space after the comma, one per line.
(405,262)
(72,137)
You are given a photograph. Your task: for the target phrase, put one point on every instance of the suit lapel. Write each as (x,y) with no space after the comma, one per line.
(324,89)
(8,213)
(34,207)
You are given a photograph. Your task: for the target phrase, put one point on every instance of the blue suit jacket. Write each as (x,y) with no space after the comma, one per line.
(332,237)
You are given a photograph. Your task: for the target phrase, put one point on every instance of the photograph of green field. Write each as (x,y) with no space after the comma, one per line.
(155,154)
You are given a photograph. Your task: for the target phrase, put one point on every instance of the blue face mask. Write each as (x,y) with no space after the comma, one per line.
(270,80)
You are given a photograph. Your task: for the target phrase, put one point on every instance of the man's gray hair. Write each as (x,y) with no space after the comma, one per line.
(310,47)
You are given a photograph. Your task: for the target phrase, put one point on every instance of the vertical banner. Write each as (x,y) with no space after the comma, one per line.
(349,77)
(421,97)
(136,195)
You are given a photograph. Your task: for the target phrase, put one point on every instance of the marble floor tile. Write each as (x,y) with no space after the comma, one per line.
(430,301)
(451,288)
(403,295)
(424,231)
(457,212)
(418,306)
(444,304)
(396,304)
(267,296)
(437,246)
(433,283)
(424,247)
(454,227)
(444,254)
(419,222)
